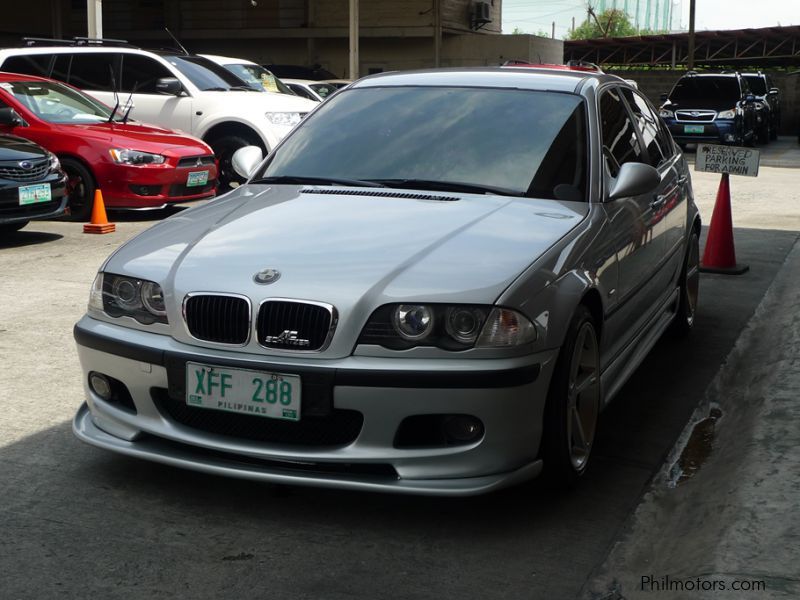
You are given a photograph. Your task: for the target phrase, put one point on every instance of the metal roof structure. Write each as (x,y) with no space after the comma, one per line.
(765,47)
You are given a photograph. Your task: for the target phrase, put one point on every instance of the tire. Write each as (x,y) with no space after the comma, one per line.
(689,288)
(12,227)
(573,403)
(80,187)
(224,147)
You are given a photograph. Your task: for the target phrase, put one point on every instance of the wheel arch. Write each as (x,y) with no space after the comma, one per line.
(226,128)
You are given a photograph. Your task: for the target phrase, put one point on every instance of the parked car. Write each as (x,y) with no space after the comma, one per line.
(254,75)
(404,297)
(313,90)
(710,107)
(338,83)
(769,97)
(32,184)
(169,89)
(137,166)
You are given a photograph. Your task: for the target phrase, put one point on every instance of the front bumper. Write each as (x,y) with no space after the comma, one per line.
(153,187)
(380,389)
(717,131)
(12,212)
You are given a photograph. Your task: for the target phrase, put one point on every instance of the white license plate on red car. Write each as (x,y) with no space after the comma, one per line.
(197,179)
(257,393)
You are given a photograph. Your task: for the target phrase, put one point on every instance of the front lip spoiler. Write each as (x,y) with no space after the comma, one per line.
(149,448)
(377,378)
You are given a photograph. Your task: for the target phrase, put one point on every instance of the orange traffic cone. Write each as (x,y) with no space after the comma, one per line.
(719,255)
(99,222)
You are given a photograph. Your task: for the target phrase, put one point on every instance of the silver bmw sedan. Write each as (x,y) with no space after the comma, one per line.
(433,285)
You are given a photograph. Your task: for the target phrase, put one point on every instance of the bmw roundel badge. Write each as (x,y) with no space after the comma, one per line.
(267,276)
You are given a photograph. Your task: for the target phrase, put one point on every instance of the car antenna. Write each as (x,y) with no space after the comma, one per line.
(129,102)
(116,95)
(184,50)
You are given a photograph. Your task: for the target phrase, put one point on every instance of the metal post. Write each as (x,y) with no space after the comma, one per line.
(553,34)
(437,33)
(690,61)
(354,39)
(94,18)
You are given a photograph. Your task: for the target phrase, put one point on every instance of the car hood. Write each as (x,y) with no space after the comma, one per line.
(262,101)
(140,136)
(17,148)
(353,251)
(717,104)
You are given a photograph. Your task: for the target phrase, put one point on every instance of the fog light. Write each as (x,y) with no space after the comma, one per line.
(729,137)
(100,385)
(462,428)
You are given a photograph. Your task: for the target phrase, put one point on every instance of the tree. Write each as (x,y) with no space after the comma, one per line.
(611,23)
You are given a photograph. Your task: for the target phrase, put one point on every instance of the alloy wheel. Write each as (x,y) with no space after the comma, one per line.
(583,397)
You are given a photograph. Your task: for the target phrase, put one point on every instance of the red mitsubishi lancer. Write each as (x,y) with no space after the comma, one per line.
(137,166)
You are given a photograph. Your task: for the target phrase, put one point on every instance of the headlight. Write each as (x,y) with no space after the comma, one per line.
(55,164)
(666,114)
(450,327)
(287,119)
(125,156)
(759,105)
(119,296)
(727,114)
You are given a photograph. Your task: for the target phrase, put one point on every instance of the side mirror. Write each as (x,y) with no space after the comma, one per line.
(169,85)
(634,179)
(749,98)
(245,160)
(664,97)
(10,117)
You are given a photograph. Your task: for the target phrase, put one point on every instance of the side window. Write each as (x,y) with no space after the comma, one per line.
(652,135)
(140,73)
(61,67)
(36,64)
(301,91)
(620,144)
(95,71)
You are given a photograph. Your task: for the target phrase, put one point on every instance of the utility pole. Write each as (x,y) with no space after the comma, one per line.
(94,18)
(690,60)
(353,39)
(437,33)
(553,34)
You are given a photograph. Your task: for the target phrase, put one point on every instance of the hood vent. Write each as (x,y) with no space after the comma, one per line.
(379,193)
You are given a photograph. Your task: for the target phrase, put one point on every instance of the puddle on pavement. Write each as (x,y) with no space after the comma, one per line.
(697,449)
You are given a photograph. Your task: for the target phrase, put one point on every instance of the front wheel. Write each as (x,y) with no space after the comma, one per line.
(80,188)
(689,291)
(573,403)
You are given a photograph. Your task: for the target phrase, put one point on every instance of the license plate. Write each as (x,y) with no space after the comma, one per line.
(694,128)
(257,393)
(31,194)
(197,178)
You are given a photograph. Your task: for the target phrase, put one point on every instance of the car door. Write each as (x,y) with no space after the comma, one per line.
(636,235)
(139,76)
(670,203)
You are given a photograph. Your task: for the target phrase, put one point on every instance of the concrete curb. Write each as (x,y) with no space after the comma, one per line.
(723,508)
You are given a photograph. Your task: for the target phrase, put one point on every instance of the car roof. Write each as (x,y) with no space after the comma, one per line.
(227,60)
(503,77)
(8,77)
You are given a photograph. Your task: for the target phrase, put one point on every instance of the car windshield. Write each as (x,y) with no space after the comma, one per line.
(259,78)
(57,103)
(323,90)
(206,75)
(756,84)
(518,141)
(700,88)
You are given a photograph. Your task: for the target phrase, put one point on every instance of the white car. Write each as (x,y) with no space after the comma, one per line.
(313,90)
(171,89)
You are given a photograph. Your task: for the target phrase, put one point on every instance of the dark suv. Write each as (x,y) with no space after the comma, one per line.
(770,99)
(32,184)
(716,108)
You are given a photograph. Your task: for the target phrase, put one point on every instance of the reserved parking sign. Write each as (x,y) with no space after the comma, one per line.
(734,160)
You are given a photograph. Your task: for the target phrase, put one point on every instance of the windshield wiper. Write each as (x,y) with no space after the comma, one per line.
(298,179)
(446,186)
(244,88)
(215,89)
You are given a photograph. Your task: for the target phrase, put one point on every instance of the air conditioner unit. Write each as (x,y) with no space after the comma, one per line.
(481,14)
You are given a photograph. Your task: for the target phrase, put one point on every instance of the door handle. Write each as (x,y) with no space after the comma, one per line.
(683,180)
(658,201)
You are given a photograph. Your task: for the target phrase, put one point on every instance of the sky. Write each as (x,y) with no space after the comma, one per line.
(536,16)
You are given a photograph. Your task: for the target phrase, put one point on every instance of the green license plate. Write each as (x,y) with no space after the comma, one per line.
(694,128)
(271,395)
(197,178)
(31,194)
